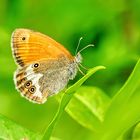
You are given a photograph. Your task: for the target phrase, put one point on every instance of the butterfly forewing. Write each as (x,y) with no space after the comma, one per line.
(29,46)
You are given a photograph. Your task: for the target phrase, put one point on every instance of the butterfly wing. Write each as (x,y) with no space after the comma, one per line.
(26,82)
(29,46)
(41,79)
(46,66)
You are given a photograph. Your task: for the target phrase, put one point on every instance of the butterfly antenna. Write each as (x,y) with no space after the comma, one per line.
(77,53)
(90,45)
(78,45)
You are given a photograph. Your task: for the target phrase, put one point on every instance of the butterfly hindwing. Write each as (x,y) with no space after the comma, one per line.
(44,78)
(26,81)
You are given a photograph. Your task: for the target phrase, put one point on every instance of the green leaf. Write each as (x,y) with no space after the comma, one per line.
(65,100)
(87,106)
(9,130)
(136,132)
(128,134)
(124,110)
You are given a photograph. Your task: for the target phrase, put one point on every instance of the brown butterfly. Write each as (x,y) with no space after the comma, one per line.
(45,66)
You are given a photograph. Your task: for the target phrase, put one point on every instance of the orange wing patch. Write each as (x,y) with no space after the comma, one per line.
(29,46)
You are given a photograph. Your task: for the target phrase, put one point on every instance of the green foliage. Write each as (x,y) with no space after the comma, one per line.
(11,131)
(136,132)
(88,102)
(97,110)
(124,111)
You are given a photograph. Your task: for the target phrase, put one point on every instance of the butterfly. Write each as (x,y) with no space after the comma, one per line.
(44,66)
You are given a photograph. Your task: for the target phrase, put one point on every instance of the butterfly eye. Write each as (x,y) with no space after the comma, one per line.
(32,89)
(28,84)
(23,38)
(36,65)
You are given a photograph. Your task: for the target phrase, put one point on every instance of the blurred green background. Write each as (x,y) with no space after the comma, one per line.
(112,26)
